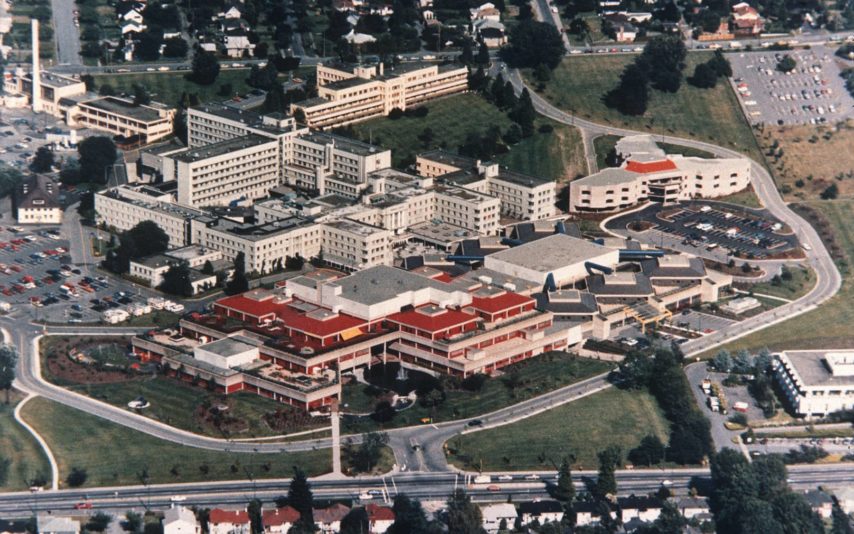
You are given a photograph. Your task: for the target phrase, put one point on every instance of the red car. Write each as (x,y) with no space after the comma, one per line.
(83,506)
(15,268)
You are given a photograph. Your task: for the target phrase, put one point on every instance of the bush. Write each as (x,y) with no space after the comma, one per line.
(77,477)
(395,114)
(738,418)
(474,382)
(545,129)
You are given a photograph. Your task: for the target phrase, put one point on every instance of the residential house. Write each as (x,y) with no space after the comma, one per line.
(491,32)
(494,514)
(37,201)
(328,520)
(132,28)
(280,520)
(645,509)
(845,498)
(691,507)
(487,11)
(228,522)
(236,43)
(820,503)
(132,15)
(13,526)
(233,12)
(380,518)
(180,520)
(542,511)
(50,524)
(587,513)
(746,20)
(359,38)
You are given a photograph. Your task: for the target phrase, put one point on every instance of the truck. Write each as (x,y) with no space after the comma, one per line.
(706,386)
(68,289)
(740,407)
(482,479)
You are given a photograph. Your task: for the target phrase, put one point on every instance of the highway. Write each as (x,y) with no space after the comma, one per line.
(424,486)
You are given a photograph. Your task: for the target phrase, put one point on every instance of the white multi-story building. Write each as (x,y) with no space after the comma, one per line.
(817,382)
(325,163)
(648,174)
(355,245)
(121,117)
(37,201)
(215,175)
(352,93)
(123,207)
(522,196)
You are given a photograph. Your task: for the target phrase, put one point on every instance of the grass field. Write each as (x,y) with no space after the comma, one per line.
(536,376)
(583,428)
(556,155)
(167,87)
(175,404)
(828,326)
(115,455)
(711,115)
(812,159)
(800,284)
(18,446)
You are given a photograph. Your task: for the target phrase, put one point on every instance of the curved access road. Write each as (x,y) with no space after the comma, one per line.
(828,277)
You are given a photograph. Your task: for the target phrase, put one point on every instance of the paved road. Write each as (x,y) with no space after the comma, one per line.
(424,486)
(66,34)
(829,279)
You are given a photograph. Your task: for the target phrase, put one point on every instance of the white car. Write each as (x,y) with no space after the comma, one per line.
(533,476)
(177,498)
(505,477)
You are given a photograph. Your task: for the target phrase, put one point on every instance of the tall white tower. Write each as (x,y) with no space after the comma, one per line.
(37,80)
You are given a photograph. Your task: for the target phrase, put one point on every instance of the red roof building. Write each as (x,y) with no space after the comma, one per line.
(644,167)
(380,518)
(219,516)
(280,520)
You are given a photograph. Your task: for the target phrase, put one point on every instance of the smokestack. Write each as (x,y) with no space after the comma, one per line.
(36,74)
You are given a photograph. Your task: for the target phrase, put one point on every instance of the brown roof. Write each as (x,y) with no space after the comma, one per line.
(38,191)
(280,516)
(332,514)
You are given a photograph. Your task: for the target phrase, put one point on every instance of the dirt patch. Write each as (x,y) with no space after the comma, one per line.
(808,159)
(286,421)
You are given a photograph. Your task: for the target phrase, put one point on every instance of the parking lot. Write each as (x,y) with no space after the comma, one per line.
(720,231)
(813,93)
(34,267)
(700,322)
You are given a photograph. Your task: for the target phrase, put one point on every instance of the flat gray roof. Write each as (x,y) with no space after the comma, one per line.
(227,346)
(125,108)
(191,155)
(381,283)
(344,143)
(551,253)
(813,370)
(609,176)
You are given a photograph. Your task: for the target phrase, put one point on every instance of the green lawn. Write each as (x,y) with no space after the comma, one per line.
(800,284)
(115,455)
(20,448)
(830,325)
(536,376)
(711,115)
(556,155)
(176,403)
(583,428)
(160,318)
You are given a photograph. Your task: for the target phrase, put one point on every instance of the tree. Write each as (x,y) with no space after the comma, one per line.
(132,522)
(533,43)
(205,68)
(663,59)
(564,489)
(482,58)
(770,473)
(261,51)
(464,516)
(43,160)
(148,46)
(106,90)
(176,281)
(830,193)
(355,522)
(238,283)
(97,153)
(369,452)
(144,239)
(635,370)
(8,361)
(705,76)
(140,95)
(578,26)
(787,64)
(301,498)
(524,113)
(720,64)
(649,452)
(609,460)
(409,517)
(99,522)
(77,477)
(722,361)
(254,510)
(631,95)
(175,47)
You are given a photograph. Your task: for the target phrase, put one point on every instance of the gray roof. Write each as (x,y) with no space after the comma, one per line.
(609,176)
(584,305)
(381,283)
(213,150)
(602,285)
(813,370)
(449,158)
(551,253)
(693,268)
(227,346)
(125,108)
(38,191)
(344,143)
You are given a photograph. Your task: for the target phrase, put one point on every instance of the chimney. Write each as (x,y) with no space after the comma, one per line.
(36,74)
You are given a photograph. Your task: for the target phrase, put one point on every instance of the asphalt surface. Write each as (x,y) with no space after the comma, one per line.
(66,34)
